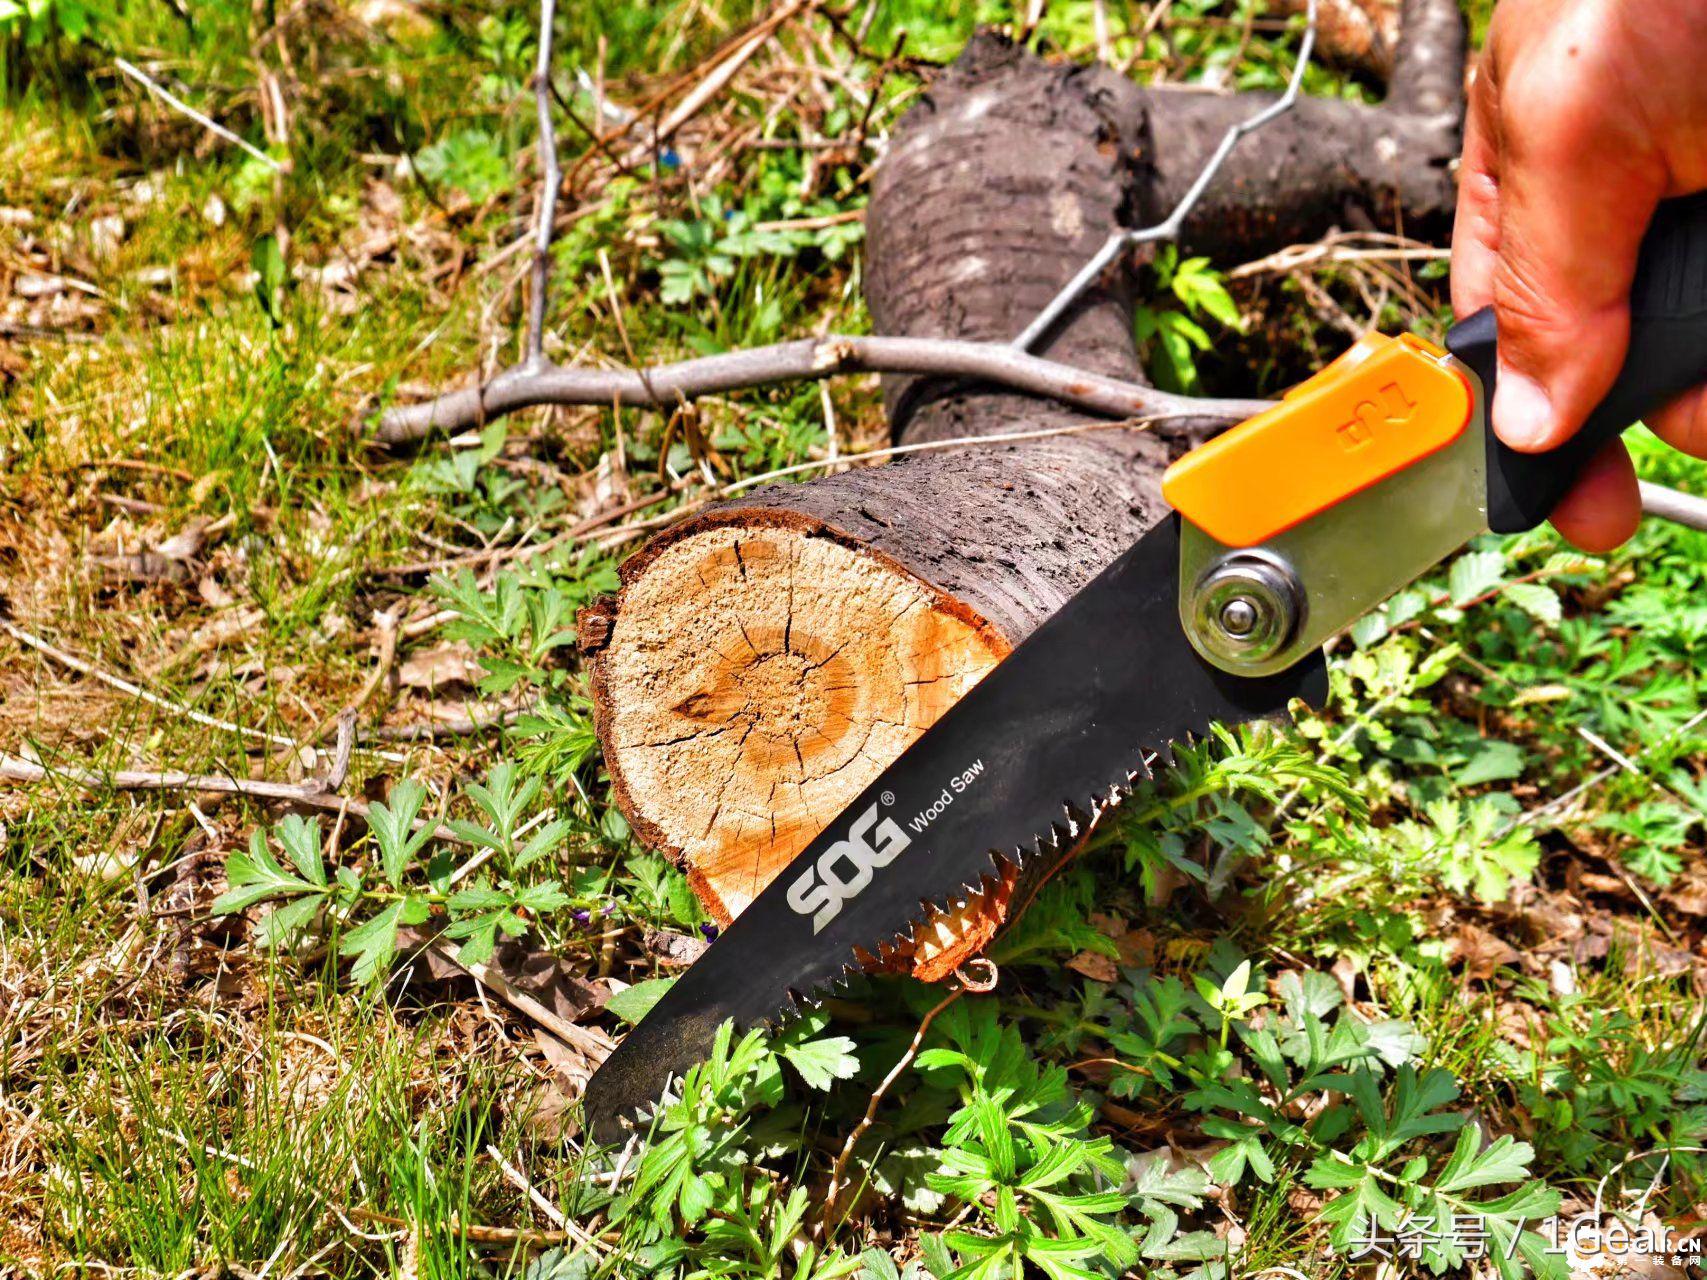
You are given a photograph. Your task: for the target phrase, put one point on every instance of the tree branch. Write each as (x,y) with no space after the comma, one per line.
(665,385)
(1169,228)
(550,182)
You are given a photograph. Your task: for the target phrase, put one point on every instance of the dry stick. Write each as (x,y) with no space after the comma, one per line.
(474,1233)
(553,1214)
(319,792)
(177,104)
(587,1040)
(954,442)
(551,181)
(1331,251)
(967,983)
(137,691)
(664,385)
(460,727)
(538,383)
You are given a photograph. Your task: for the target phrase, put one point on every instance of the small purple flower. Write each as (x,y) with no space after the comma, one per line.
(581,916)
(708,931)
(610,909)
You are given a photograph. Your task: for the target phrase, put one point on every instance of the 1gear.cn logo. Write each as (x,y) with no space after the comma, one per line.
(844,869)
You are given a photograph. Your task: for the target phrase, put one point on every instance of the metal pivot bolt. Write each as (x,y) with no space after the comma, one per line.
(1247,606)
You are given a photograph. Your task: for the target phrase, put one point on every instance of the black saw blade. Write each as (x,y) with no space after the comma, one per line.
(1058,730)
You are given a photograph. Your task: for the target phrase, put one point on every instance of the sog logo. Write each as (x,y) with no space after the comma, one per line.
(844,869)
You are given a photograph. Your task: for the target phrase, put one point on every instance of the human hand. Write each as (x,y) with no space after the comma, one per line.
(1584,114)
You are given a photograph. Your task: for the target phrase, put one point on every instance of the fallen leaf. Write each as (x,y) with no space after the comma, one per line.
(1689,898)
(449,664)
(1137,948)
(1480,952)
(673,950)
(1095,966)
(546,1112)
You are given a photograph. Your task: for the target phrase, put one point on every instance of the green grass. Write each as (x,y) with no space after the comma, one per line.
(176,1097)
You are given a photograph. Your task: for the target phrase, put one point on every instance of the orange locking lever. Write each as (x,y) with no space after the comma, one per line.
(1383,405)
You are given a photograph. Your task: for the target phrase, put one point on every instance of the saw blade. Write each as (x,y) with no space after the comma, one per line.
(1058,730)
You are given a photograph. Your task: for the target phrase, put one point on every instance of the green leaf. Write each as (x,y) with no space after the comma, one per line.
(393,827)
(254,876)
(375,942)
(471,160)
(1505,1160)
(282,924)
(633,1003)
(1490,760)
(541,843)
(822,1062)
(1473,574)
(936,1256)
(301,841)
(697,1198)
(1370,628)
(1536,599)
(267,258)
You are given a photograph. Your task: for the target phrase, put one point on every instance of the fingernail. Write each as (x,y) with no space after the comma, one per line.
(1523,413)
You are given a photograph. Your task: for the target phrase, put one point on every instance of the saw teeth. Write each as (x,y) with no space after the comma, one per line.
(1060,834)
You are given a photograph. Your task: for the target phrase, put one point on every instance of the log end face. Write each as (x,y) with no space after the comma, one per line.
(754,675)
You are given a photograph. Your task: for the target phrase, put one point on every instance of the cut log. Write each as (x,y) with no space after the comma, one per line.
(766,658)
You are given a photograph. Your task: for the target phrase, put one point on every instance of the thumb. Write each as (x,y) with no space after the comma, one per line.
(1577,189)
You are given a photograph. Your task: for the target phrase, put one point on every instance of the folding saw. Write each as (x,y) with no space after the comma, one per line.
(1284,531)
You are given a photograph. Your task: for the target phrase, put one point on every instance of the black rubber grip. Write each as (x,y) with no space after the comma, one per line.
(1668,356)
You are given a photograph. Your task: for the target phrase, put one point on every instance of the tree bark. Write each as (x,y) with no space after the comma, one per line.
(766,658)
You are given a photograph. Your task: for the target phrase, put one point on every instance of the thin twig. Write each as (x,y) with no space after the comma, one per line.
(460,727)
(553,1214)
(1169,227)
(720,75)
(177,104)
(83,667)
(16,769)
(473,1232)
(963,984)
(550,182)
(665,385)
(595,1044)
(932,446)
(1334,250)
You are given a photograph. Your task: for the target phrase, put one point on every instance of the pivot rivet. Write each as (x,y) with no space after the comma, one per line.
(1246,608)
(1239,616)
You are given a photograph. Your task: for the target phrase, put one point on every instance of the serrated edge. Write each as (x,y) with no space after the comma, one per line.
(1060,833)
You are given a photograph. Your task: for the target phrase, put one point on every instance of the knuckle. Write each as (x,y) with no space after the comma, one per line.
(1683,424)
(1529,313)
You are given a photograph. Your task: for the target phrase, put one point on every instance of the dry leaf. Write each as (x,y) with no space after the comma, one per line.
(1480,952)
(449,664)
(673,950)
(1095,966)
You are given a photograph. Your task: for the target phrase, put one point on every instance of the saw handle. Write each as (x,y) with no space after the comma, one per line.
(1667,356)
